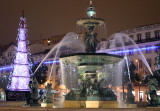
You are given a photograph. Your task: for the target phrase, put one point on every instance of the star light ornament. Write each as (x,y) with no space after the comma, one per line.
(20,76)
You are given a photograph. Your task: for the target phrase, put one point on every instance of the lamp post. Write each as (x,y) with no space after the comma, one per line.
(137,65)
(139,91)
(139,81)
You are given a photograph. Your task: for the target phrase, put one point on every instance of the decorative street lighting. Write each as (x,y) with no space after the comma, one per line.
(139,91)
(139,81)
(137,64)
(49,41)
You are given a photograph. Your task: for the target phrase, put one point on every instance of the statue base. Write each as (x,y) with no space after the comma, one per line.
(92,104)
(153,106)
(130,105)
(109,104)
(16,95)
(31,105)
(45,104)
(74,104)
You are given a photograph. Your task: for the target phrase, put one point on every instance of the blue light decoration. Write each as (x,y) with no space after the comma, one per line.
(51,62)
(10,67)
(6,68)
(134,50)
(113,52)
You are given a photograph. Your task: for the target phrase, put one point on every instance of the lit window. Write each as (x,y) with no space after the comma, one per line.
(7,71)
(156,49)
(158,93)
(122,54)
(156,33)
(148,34)
(149,62)
(139,37)
(133,92)
(140,64)
(130,51)
(141,95)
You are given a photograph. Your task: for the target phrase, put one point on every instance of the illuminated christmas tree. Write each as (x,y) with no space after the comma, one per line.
(20,76)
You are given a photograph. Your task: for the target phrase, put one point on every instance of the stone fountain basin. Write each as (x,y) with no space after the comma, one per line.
(90,22)
(91,58)
(90,61)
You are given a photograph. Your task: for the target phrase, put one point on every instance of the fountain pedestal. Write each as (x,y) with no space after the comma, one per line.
(92,104)
(45,104)
(74,104)
(130,105)
(88,65)
(109,104)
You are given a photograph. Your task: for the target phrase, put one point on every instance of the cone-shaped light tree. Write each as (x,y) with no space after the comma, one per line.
(20,76)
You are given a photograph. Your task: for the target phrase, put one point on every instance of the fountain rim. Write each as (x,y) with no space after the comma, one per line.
(93,54)
(82,21)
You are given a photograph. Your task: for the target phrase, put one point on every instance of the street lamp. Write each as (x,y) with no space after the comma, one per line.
(139,81)
(49,41)
(139,91)
(137,64)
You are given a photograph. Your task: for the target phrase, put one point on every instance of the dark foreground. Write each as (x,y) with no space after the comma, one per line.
(18,106)
(61,109)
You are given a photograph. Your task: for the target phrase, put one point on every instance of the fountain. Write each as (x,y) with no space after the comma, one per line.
(88,71)
(90,93)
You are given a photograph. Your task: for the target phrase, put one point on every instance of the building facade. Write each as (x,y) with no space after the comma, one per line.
(141,39)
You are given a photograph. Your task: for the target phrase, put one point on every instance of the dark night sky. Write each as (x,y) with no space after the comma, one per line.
(54,17)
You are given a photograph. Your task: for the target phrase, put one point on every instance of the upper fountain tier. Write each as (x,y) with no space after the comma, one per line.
(91,20)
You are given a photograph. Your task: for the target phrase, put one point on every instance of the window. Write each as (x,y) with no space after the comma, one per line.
(57,70)
(148,50)
(7,71)
(141,95)
(156,33)
(148,34)
(149,62)
(130,51)
(158,93)
(123,39)
(139,51)
(131,36)
(122,53)
(57,62)
(130,40)
(139,37)
(156,49)
(140,64)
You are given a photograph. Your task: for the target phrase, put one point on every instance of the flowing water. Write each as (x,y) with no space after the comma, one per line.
(71,42)
(119,38)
